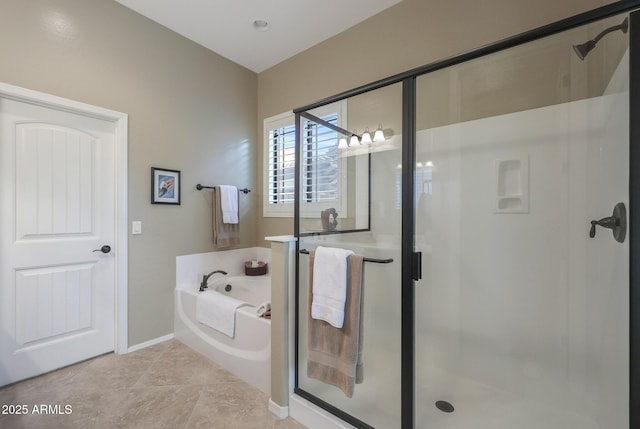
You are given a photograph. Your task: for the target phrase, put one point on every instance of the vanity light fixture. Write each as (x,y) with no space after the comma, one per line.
(364,140)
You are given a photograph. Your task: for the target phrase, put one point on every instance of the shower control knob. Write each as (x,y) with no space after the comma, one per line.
(617,222)
(104,249)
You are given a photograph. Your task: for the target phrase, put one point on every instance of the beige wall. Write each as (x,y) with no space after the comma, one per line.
(189,109)
(405,36)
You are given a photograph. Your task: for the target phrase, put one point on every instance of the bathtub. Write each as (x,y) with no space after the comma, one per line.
(248,354)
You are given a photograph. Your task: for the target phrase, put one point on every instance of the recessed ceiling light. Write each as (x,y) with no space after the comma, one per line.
(261,25)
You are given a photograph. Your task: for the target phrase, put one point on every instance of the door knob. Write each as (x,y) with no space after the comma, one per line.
(104,249)
(617,222)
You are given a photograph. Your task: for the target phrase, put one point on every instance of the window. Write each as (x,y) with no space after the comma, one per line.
(279,178)
(322,182)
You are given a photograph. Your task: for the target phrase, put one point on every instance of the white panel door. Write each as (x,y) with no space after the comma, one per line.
(58,188)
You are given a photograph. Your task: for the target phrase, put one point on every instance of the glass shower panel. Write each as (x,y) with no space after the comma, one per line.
(522,317)
(361,213)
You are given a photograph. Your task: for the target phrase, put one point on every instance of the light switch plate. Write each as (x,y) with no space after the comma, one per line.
(136,227)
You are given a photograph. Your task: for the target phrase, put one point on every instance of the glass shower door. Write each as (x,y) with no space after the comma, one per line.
(350,199)
(522,316)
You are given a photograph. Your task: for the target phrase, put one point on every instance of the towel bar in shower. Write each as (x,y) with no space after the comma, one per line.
(200,187)
(377,261)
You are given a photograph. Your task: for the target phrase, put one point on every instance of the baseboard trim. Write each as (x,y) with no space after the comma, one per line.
(150,343)
(311,415)
(278,411)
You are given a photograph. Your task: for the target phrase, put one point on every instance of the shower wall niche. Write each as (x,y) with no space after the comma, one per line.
(511,184)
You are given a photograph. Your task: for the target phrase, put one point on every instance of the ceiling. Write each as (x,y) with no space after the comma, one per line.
(226,26)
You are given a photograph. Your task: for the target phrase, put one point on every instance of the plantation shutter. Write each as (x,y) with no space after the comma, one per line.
(319,163)
(281,176)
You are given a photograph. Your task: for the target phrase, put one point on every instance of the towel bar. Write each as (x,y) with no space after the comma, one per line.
(377,261)
(200,187)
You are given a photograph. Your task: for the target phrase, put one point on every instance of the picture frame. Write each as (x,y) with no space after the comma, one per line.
(165,186)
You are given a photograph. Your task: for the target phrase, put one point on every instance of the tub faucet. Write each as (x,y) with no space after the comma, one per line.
(205,278)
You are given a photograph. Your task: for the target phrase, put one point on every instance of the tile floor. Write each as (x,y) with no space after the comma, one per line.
(167,386)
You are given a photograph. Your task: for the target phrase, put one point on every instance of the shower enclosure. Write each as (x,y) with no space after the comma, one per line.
(496,210)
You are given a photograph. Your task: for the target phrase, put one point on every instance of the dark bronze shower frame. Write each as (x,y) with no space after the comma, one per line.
(408,80)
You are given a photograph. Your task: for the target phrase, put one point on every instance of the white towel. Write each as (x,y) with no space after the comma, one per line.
(229,203)
(263,308)
(218,311)
(330,285)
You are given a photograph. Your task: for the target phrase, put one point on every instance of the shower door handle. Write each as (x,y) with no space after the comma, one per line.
(617,222)
(416,266)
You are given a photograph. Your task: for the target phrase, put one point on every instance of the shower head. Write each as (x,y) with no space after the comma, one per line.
(583,49)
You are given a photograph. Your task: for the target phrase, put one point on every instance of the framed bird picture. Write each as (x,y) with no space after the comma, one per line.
(165,186)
